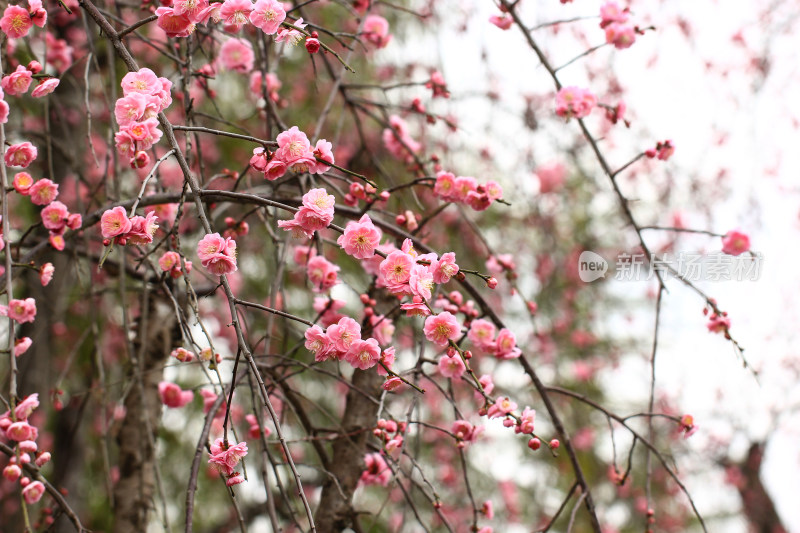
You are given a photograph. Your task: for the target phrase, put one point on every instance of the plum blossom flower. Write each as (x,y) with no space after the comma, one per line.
(43,191)
(268,15)
(344,333)
(445,268)
(16,22)
(45,87)
(620,35)
(501,408)
(172,395)
(574,102)
(217,254)
(54,216)
(503,21)
(26,407)
(451,367)
(17,82)
(441,328)
(319,343)
(33,492)
(322,273)
(360,238)
(526,421)
(226,456)
(235,14)
(322,150)
(363,354)
(114,222)
(291,35)
(611,13)
(735,243)
(237,54)
(21,155)
(481,333)
(376,31)
(377,472)
(46,274)
(20,310)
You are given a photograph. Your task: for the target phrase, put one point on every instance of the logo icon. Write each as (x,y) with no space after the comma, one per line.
(591,266)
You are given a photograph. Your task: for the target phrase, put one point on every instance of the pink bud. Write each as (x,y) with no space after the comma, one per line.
(491,282)
(554,444)
(12,473)
(35,67)
(312,45)
(534,444)
(43,459)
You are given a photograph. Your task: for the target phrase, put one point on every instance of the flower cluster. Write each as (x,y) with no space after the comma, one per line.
(22,435)
(482,334)
(343,341)
(316,213)
(115,225)
(225,456)
(217,254)
(294,153)
(17,21)
(466,190)
(170,262)
(619,31)
(574,102)
(145,95)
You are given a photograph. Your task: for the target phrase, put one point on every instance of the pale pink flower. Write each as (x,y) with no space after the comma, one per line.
(503,21)
(344,333)
(481,333)
(33,492)
(526,421)
(506,345)
(298,230)
(16,22)
(451,367)
(291,35)
(273,84)
(376,31)
(182,354)
(22,183)
(38,13)
(322,150)
(142,229)
(574,102)
(501,408)
(172,395)
(114,222)
(396,271)
(363,354)
(142,81)
(43,192)
(444,187)
(393,384)
(46,274)
(268,15)
(465,432)
(217,254)
(445,268)
(437,85)
(319,343)
(360,238)
(54,216)
(21,155)
(611,13)
(130,109)
(17,82)
(320,201)
(441,328)
(488,509)
(225,458)
(12,473)
(20,431)
(382,329)
(421,282)
(322,273)
(21,346)
(488,386)
(735,243)
(189,8)
(20,310)
(25,408)
(169,260)
(718,323)
(377,472)
(620,35)
(294,149)
(145,133)
(235,14)
(462,186)
(237,54)
(275,169)
(416,308)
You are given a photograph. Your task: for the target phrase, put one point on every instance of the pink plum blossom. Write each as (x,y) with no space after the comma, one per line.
(344,333)
(16,22)
(574,102)
(21,155)
(20,310)
(17,82)
(735,243)
(114,222)
(237,54)
(451,367)
(363,354)
(43,192)
(360,238)
(268,15)
(172,395)
(441,328)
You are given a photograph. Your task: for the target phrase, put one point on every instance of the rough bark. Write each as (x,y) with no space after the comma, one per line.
(134,491)
(758,505)
(335,511)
